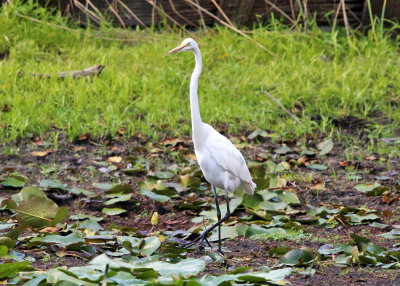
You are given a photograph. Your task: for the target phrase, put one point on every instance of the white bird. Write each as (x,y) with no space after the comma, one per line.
(221,162)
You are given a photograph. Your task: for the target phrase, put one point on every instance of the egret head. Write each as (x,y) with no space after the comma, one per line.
(187,44)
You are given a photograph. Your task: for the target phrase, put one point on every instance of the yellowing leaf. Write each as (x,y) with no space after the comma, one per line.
(114,159)
(41,153)
(154,218)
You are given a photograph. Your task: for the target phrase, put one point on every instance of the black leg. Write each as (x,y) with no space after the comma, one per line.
(203,236)
(219,218)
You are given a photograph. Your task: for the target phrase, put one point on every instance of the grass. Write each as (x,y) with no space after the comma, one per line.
(143,90)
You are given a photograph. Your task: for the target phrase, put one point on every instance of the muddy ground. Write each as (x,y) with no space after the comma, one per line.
(79,164)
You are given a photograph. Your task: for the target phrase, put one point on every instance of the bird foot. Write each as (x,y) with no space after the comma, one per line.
(199,241)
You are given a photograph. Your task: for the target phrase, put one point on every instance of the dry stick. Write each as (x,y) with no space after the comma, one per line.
(180,15)
(163,13)
(281,11)
(284,109)
(89,35)
(346,22)
(203,23)
(116,14)
(94,70)
(337,14)
(131,13)
(222,12)
(85,10)
(100,15)
(233,28)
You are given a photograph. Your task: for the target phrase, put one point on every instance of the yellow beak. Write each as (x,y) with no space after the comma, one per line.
(177,49)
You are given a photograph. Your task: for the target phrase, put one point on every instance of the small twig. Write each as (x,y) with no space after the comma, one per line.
(222,12)
(337,14)
(203,23)
(346,22)
(284,109)
(180,15)
(233,28)
(95,70)
(152,3)
(131,13)
(294,23)
(116,14)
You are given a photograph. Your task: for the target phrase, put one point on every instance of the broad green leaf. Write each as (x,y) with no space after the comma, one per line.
(112,211)
(297,257)
(58,275)
(120,189)
(258,133)
(37,212)
(28,192)
(61,214)
(119,198)
(10,269)
(394,233)
(13,183)
(63,241)
(151,244)
(50,184)
(190,181)
(186,267)
(325,147)
(318,167)
(154,196)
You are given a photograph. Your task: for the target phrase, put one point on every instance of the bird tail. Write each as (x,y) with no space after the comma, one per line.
(248,187)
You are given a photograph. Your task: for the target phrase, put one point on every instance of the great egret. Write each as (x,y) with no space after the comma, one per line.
(221,162)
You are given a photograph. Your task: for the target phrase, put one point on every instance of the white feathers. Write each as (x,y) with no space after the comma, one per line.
(221,162)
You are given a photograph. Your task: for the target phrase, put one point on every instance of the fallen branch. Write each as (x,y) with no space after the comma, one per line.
(95,71)
(284,109)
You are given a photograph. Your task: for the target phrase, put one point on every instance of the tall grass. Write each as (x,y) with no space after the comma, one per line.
(143,90)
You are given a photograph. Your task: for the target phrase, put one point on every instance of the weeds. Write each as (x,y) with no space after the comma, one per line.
(143,90)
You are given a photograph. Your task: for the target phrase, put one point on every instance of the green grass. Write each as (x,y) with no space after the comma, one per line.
(143,90)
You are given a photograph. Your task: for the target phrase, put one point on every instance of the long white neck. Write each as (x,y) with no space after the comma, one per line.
(194,100)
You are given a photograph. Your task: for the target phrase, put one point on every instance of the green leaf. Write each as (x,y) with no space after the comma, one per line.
(151,244)
(7,241)
(318,167)
(50,184)
(154,196)
(37,212)
(13,183)
(120,189)
(61,214)
(3,250)
(371,189)
(297,257)
(252,201)
(63,241)
(325,147)
(10,269)
(190,181)
(258,133)
(113,211)
(120,198)
(27,193)
(394,233)
(186,267)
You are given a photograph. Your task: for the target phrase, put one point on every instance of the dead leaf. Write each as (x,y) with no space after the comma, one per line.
(37,140)
(49,229)
(370,158)
(387,213)
(5,108)
(41,153)
(114,159)
(121,131)
(84,137)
